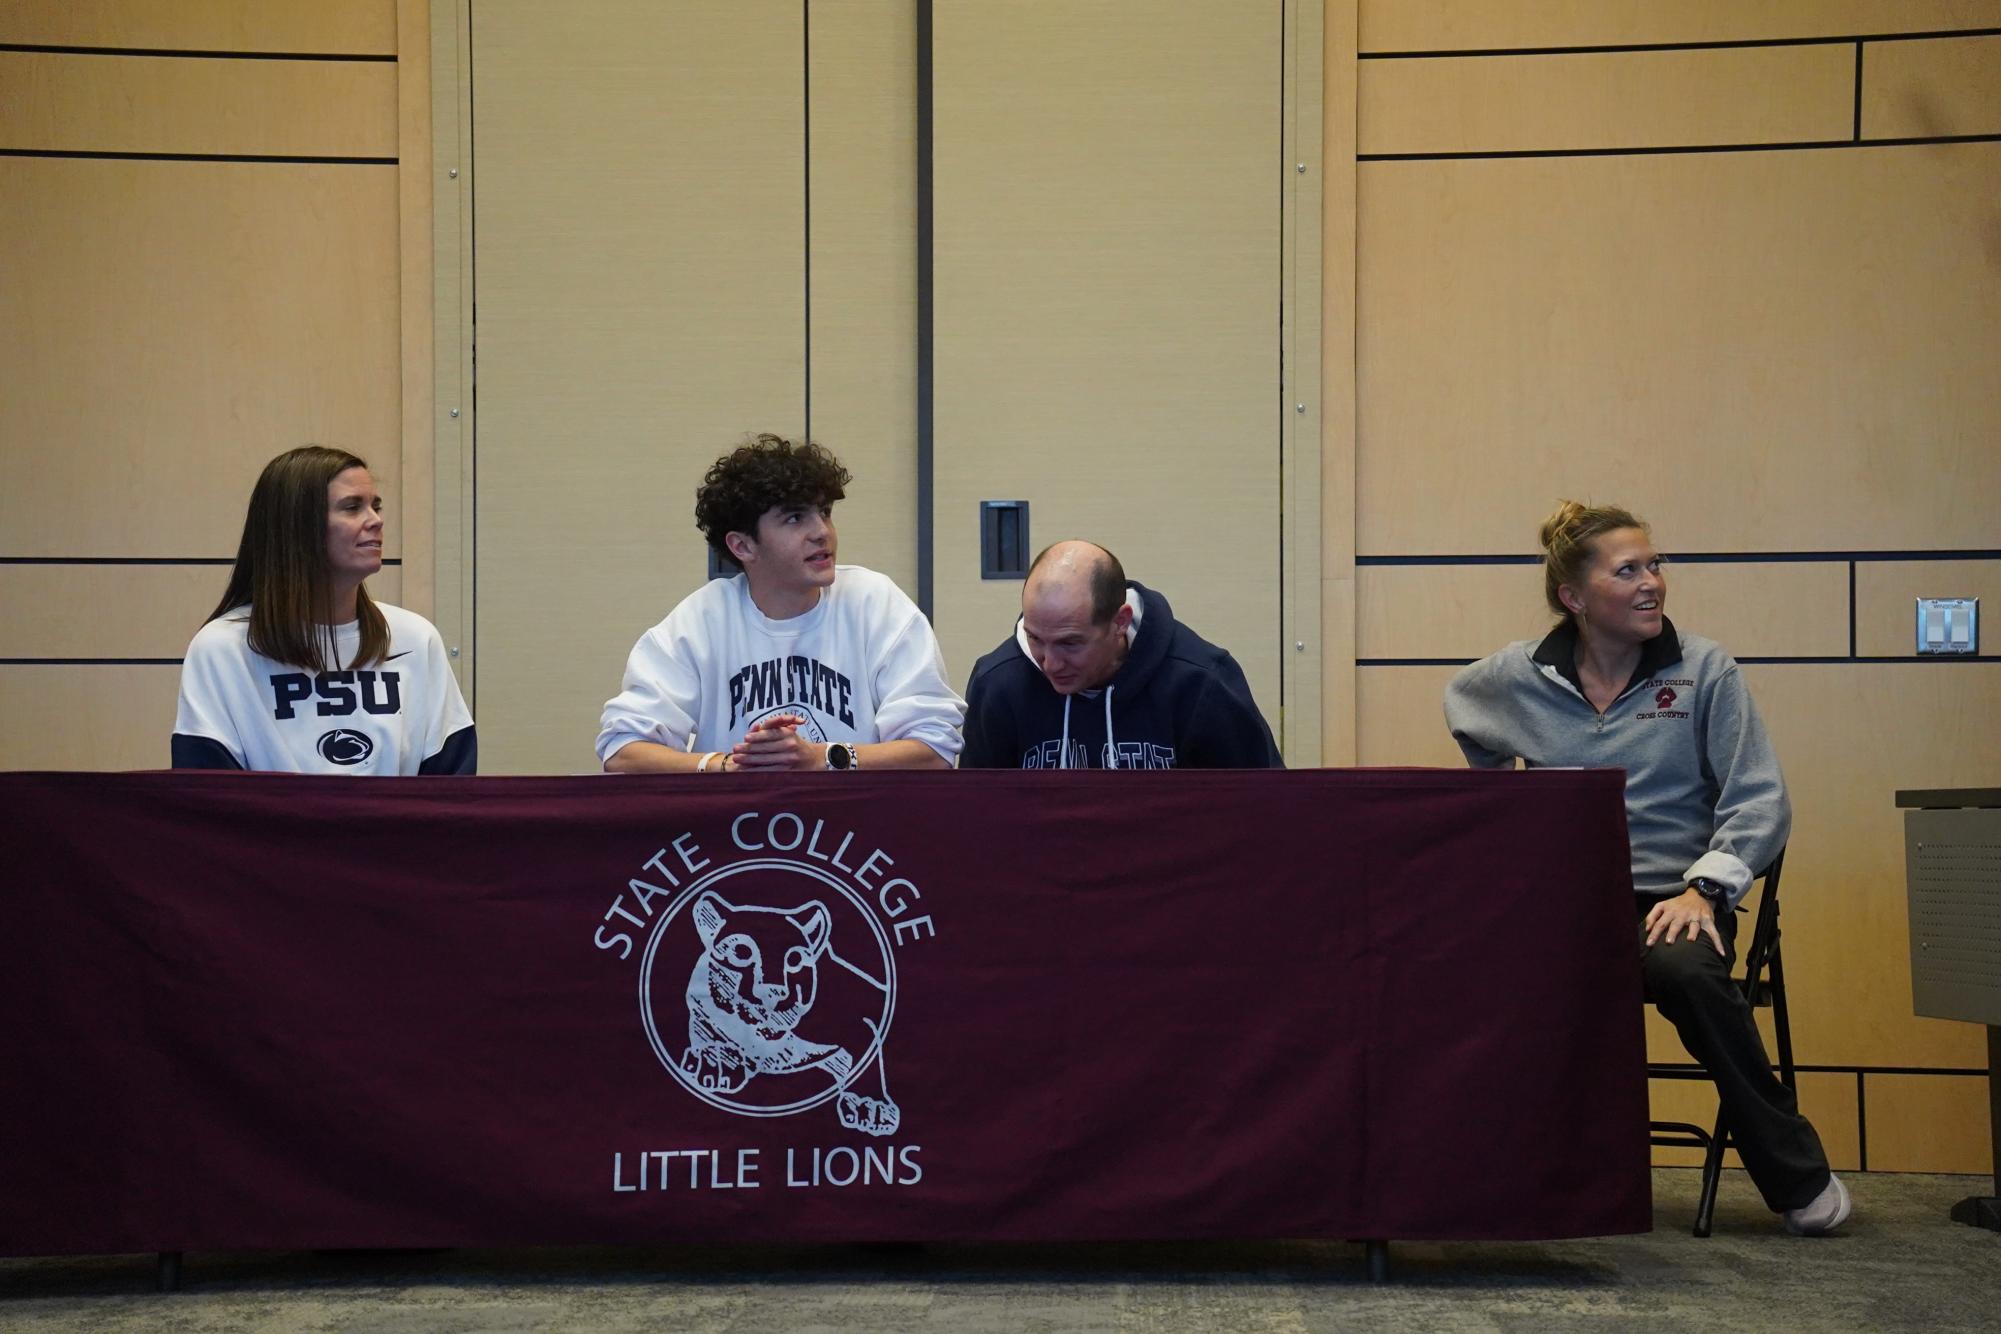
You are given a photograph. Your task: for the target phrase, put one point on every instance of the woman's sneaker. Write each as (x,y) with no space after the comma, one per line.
(1824,1213)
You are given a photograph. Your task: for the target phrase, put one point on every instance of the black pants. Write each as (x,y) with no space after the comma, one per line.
(1690,983)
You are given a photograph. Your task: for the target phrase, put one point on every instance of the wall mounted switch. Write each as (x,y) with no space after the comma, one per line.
(1003,539)
(1948,625)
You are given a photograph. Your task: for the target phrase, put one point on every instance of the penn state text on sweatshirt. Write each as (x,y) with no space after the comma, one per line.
(861,666)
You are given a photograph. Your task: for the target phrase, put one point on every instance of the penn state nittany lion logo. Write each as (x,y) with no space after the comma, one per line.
(345,746)
(809,726)
(776,989)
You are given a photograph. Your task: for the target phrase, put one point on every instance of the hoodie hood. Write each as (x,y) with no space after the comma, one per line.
(1177,701)
(1136,598)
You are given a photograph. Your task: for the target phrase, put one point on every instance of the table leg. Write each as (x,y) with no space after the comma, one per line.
(1379,1260)
(167,1271)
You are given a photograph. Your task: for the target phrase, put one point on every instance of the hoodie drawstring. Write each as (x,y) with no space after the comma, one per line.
(1063,751)
(1111,742)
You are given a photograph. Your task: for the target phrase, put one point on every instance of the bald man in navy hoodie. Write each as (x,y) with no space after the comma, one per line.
(1099,675)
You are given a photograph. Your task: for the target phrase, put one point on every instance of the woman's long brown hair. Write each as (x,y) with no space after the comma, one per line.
(281,569)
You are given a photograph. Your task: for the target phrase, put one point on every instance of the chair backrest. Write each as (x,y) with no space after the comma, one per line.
(1764,946)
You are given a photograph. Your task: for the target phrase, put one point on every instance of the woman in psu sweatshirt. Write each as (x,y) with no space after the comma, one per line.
(1615,685)
(298,669)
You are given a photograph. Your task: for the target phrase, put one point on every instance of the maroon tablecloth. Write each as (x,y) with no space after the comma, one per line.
(268,1011)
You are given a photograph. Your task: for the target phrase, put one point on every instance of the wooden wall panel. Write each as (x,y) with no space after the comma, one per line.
(168,327)
(641,303)
(1449,25)
(172,104)
(1929,1123)
(1108,306)
(1886,594)
(1400,717)
(104,717)
(1786,609)
(1931,88)
(1454,611)
(119,611)
(1689,1100)
(1762,335)
(1849,737)
(1828,1100)
(1758,610)
(349,27)
(1743,95)
(863,252)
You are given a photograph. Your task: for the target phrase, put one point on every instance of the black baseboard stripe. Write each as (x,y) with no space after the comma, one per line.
(1621,47)
(90,662)
(1689,1070)
(285,158)
(1745,661)
(390,562)
(1669,150)
(35,48)
(1699,557)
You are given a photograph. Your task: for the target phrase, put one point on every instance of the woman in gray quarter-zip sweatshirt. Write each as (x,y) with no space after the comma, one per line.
(1615,685)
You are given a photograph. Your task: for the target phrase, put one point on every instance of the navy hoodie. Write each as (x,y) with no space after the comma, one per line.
(1177,702)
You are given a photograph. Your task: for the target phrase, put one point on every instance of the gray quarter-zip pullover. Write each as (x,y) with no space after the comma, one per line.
(1704,795)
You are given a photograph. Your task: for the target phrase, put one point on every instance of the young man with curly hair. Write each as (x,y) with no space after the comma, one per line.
(796,663)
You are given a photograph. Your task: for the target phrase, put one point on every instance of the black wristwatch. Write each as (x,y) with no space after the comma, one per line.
(841,756)
(1718,894)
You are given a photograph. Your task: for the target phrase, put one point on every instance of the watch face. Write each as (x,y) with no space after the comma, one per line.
(840,756)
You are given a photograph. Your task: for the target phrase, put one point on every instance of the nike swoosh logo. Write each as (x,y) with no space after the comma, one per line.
(394,656)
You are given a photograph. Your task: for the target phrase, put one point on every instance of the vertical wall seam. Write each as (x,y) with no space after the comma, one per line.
(925,423)
(1287,145)
(1861,1123)
(1852,616)
(806,191)
(1858,92)
(471,435)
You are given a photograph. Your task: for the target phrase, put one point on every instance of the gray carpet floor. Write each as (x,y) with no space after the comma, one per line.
(1899,1265)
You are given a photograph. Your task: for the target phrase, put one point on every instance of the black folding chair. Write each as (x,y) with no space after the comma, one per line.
(1764,984)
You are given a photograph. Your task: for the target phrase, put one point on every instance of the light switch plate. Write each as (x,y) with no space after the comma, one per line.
(1948,625)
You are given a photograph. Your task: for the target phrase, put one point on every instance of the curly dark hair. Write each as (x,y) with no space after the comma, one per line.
(768,471)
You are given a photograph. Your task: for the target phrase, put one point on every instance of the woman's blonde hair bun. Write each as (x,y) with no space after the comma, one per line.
(1567,535)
